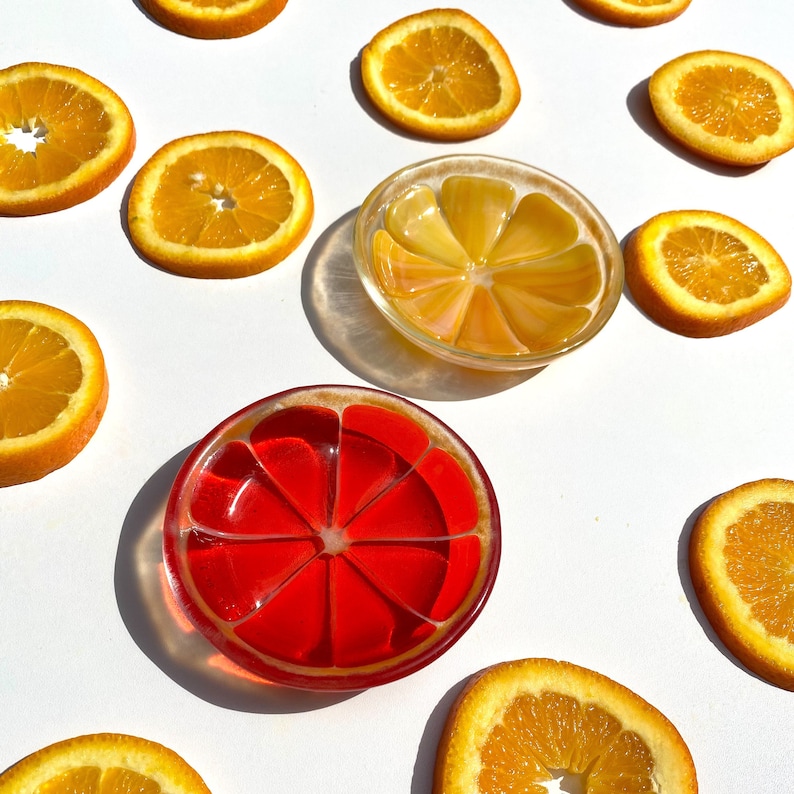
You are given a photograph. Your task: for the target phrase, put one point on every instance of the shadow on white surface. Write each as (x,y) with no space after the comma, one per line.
(351,328)
(166,637)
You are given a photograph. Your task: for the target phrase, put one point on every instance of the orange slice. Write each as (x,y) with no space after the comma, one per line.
(64,137)
(332,538)
(726,107)
(440,74)
(520,725)
(741,557)
(702,273)
(214,19)
(53,389)
(102,763)
(635,13)
(220,205)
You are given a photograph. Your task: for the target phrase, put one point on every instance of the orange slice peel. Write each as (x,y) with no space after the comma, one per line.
(635,13)
(729,108)
(704,274)
(214,19)
(332,538)
(219,205)
(103,762)
(440,74)
(53,389)
(518,725)
(741,559)
(64,137)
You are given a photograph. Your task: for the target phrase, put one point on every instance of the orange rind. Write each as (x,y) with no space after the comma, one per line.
(726,107)
(440,74)
(53,389)
(64,137)
(214,19)
(635,13)
(741,558)
(703,274)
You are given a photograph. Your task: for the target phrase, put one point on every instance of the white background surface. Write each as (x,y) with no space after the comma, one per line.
(600,462)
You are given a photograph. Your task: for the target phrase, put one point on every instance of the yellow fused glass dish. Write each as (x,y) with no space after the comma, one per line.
(487,263)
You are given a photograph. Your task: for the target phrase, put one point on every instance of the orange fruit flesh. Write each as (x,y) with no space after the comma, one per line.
(711,95)
(484,273)
(93,780)
(221,197)
(469,84)
(731,271)
(70,137)
(551,733)
(45,372)
(759,557)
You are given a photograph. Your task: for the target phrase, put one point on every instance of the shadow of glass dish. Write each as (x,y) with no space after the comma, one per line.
(159,628)
(351,328)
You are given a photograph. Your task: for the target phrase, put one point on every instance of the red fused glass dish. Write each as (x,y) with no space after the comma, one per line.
(332,538)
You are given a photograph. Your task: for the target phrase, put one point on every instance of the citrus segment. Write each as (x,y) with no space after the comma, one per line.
(332,538)
(102,763)
(220,205)
(635,13)
(53,389)
(704,274)
(517,281)
(64,137)
(741,557)
(441,74)
(518,725)
(730,108)
(214,19)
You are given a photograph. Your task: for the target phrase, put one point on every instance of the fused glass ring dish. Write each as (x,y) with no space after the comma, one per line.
(487,263)
(332,538)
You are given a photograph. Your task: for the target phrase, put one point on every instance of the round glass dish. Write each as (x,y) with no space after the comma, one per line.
(487,263)
(332,538)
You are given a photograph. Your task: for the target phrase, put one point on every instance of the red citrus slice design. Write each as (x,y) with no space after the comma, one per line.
(332,538)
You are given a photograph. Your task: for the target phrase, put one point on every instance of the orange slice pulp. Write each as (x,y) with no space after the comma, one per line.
(703,274)
(102,763)
(488,263)
(635,13)
(440,74)
(520,725)
(53,389)
(741,557)
(727,107)
(214,19)
(332,538)
(220,205)
(64,137)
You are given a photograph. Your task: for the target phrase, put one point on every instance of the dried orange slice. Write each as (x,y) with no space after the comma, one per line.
(635,13)
(64,137)
(53,389)
(214,19)
(332,538)
(102,763)
(741,558)
(440,74)
(519,725)
(701,273)
(220,205)
(728,108)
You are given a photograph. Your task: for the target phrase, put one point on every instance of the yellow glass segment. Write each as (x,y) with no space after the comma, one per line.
(70,124)
(712,265)
(39,373)
(731,102)
(542,735)
(482,272)
(759,559)
(221,197)
(441,72)
(92,780)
